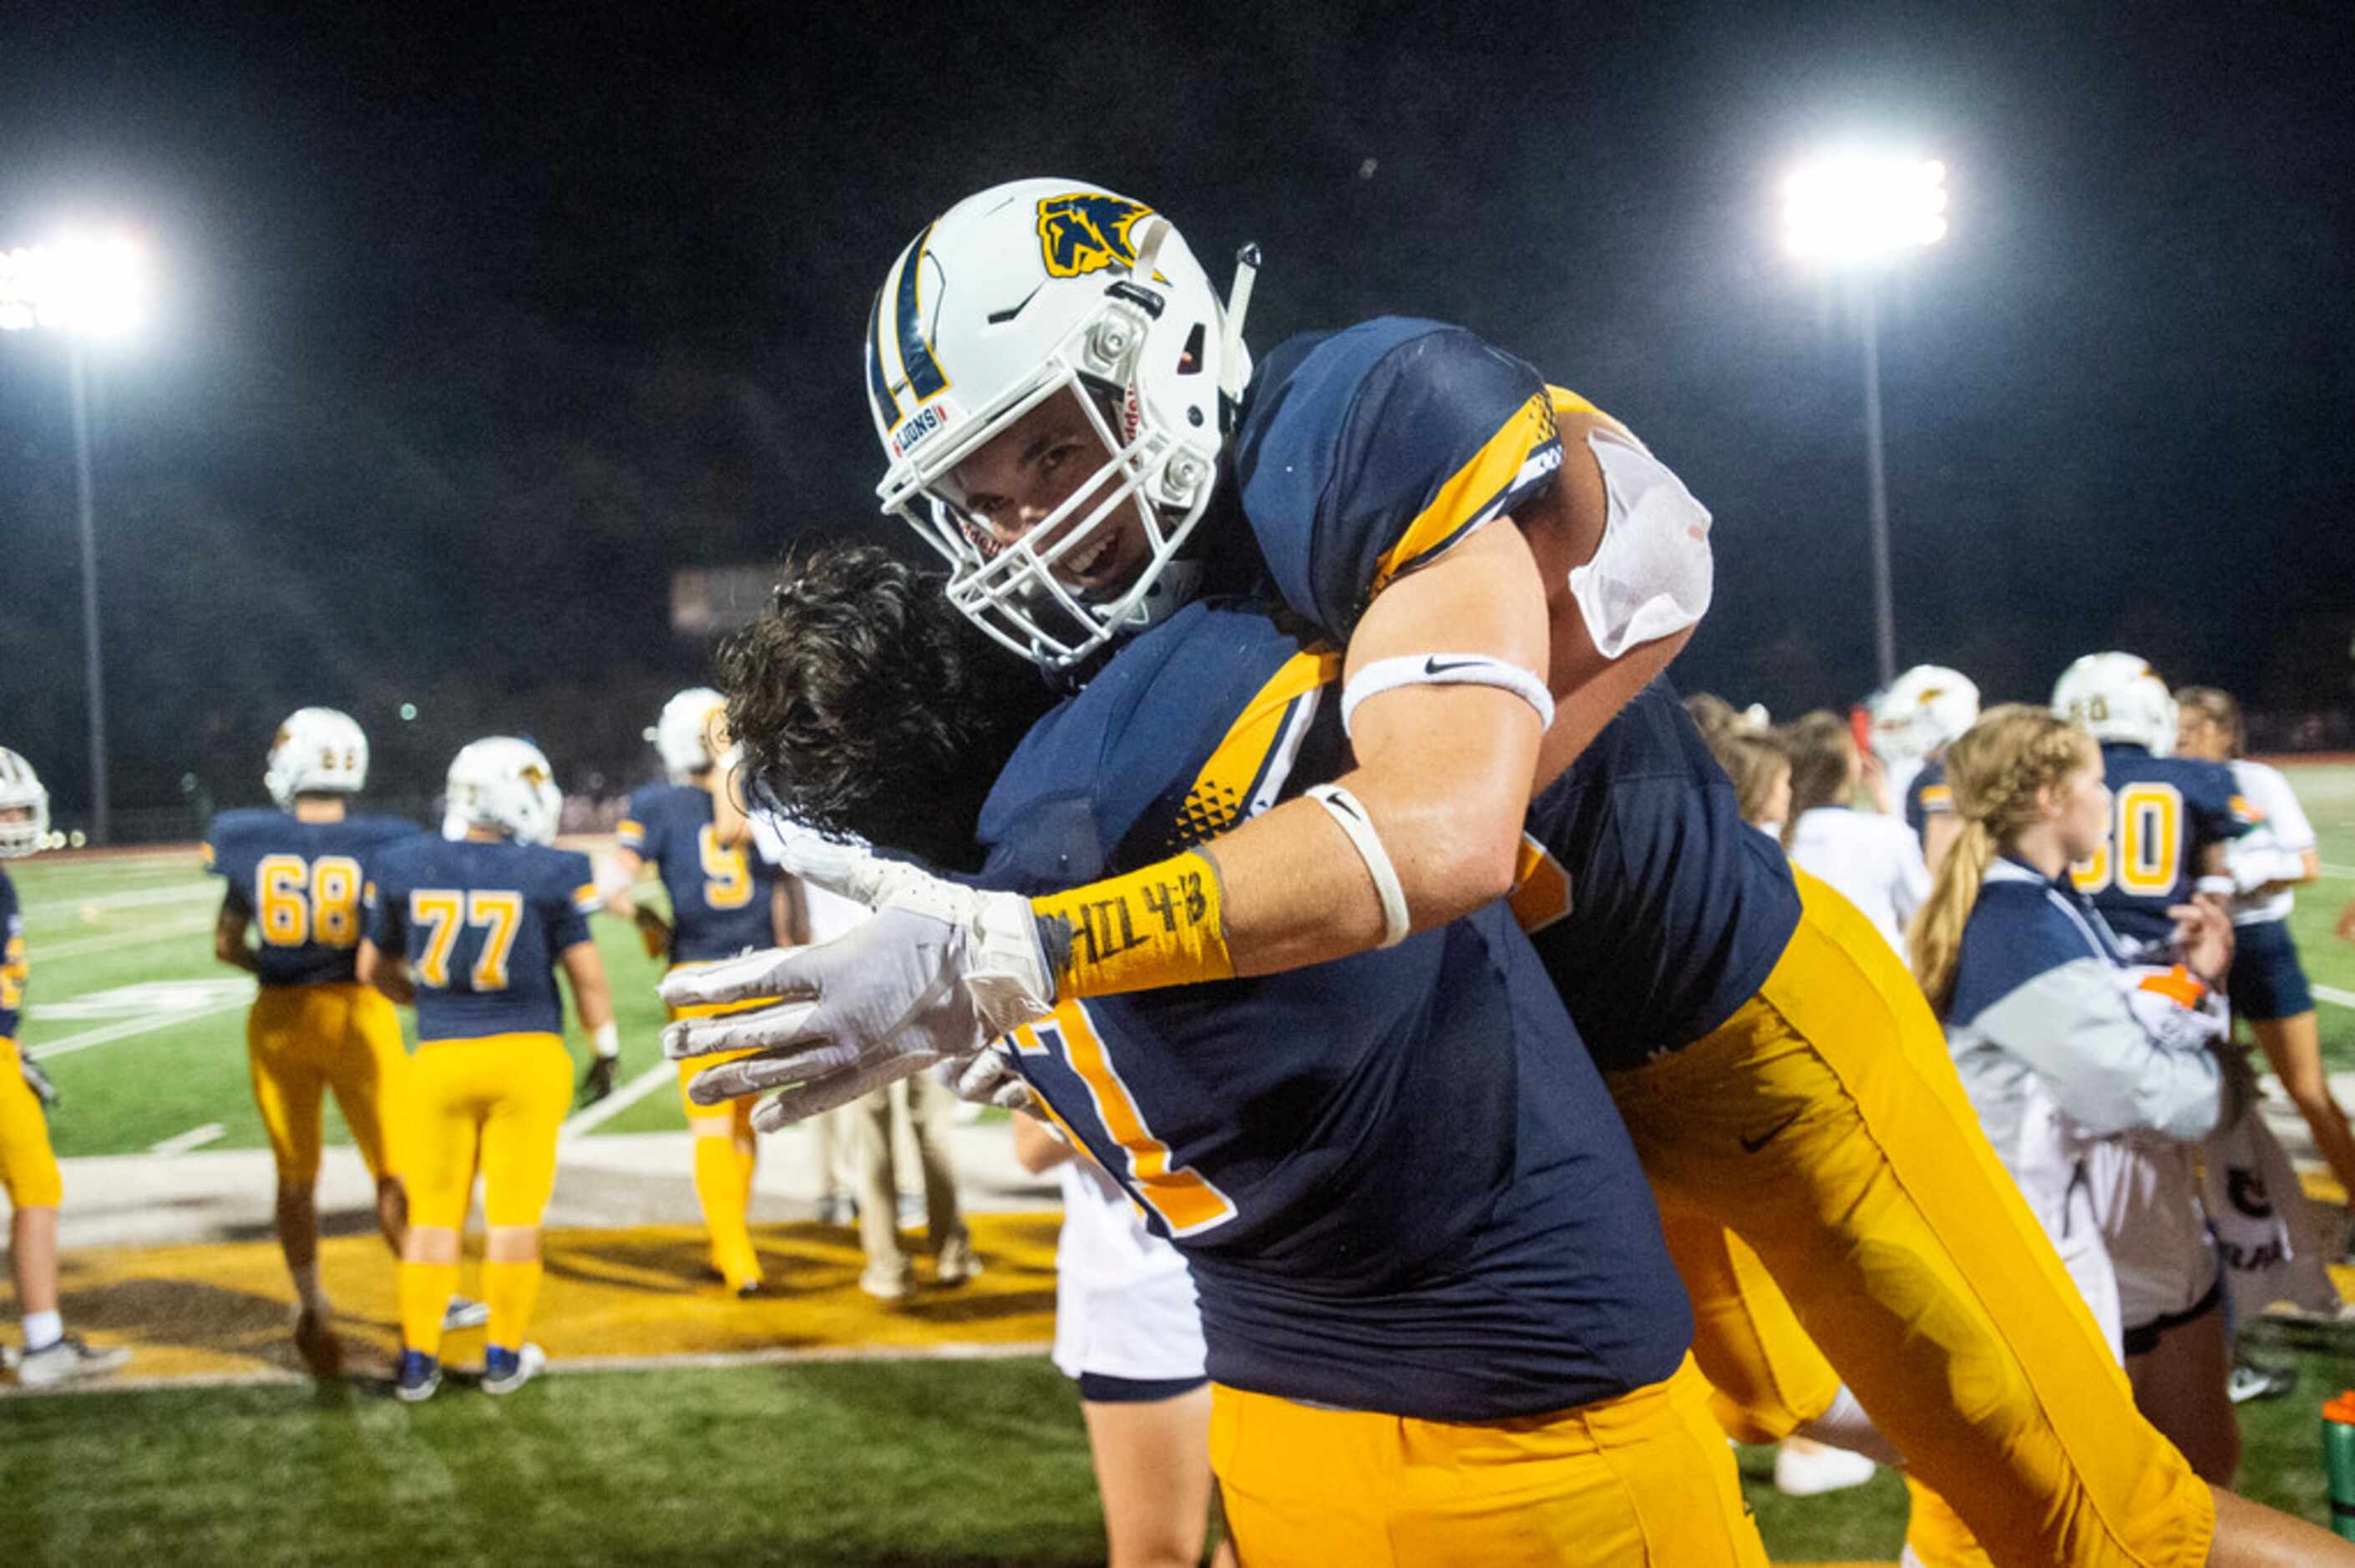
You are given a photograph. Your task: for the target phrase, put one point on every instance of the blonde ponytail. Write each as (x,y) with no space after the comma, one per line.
(1934,937)
(1996,770)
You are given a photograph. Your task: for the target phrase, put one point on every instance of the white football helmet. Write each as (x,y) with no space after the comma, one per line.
(506,783)
(315,749)
(20,786)
(1921,711)
(1011,297)
(2117,696)
(678,733)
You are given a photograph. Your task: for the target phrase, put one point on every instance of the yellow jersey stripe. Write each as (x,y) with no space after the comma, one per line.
(1467,494)
(1223,790)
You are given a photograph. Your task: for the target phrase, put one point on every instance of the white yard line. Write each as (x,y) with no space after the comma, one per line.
(195,1137)
(52,1049)
(141,898)
(2343,873)
(2332,994)
(593,1116)
(45,951)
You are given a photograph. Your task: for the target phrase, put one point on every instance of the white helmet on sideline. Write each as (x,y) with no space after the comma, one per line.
(1014,296)
(679,733)
(20,786)
(504,783)
(1921,711)
(315,750)
(2118,696)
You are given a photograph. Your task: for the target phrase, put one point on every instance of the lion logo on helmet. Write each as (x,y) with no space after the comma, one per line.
(1088,231)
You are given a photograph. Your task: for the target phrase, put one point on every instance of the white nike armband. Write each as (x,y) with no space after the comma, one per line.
(608,1040)
(1652,575)
(1344,809)
(1445,670)
(2221,887)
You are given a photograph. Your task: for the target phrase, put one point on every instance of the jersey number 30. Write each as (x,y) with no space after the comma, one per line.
(2145,854)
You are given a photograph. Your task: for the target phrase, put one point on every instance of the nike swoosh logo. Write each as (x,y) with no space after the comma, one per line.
(1752,1145)
(1434,667)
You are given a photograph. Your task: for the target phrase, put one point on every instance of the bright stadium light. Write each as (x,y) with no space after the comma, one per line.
(89,287)
(85,289)
(1858,209)
(1860,213)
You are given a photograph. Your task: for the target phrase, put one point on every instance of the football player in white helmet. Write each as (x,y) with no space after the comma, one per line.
(23,808)
(2118,697)
(471,929)
(29,1168)
(316,751)
(2174,818)
(503,783)
(725,899)
(290,916)
(1913,721)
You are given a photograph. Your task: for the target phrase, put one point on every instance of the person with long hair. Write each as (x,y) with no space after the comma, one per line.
(2089,1080)
(2268,984)
(1871,857)
(1761,770)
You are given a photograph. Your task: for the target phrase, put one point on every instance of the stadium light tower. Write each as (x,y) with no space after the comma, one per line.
(1859,214)
(85,289)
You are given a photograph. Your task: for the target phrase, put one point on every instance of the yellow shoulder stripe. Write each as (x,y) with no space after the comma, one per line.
(1470,490)
(1223,790)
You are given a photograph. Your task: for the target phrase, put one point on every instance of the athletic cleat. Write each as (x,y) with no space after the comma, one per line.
(464,1313)
(1805,1469)
(958,1261)
(66,1360)
(416,1378)
(321,1350)
(2253,1380)
(504,1372)
(885,1286)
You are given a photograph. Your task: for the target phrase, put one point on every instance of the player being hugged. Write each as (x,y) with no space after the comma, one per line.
(29,1168)
(723,901)
(470,928)
(291,917)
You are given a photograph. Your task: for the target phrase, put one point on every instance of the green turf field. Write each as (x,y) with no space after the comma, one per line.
(868,1463)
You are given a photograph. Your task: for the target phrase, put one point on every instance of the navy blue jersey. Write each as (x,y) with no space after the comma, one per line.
(1657,909)
(482,924)
(719,892)
(1365,452)
(12,958)
(1396,1176)
(2166,812)
(1929,795)
(302,886)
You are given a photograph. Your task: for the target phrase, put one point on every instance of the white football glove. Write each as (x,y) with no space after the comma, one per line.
(987,1079)
(936,974)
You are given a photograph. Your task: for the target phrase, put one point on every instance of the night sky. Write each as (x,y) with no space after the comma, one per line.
(477,328)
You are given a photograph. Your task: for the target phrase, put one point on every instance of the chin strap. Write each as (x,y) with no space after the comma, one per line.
(1234,360)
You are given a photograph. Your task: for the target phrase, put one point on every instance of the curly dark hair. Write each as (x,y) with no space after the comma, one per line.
(868,703)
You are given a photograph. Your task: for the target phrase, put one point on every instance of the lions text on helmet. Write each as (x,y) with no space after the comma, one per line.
(23,808)
(1051,371)
(2117,696)
(317,751)
(503,785)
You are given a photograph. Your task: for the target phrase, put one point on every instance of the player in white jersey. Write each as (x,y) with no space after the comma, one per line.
(2268,984)
(1128,1330)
